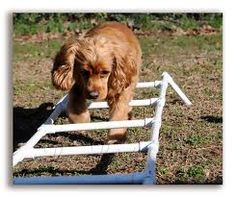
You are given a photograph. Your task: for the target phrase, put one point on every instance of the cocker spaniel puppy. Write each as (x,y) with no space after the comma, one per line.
(103,64)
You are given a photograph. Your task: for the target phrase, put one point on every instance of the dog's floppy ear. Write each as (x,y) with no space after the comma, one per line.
(62,72)
(124,69)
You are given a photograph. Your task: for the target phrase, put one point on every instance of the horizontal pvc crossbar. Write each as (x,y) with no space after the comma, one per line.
(152,84)
(81,150)
(61,106)
(131,178)
(48,128)
(133,103)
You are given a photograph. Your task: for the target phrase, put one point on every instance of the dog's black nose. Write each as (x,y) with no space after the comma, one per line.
(93,94)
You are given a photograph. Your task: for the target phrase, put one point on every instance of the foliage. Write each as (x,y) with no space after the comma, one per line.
(32,23)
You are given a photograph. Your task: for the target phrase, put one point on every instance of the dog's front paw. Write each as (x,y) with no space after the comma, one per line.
(116,136)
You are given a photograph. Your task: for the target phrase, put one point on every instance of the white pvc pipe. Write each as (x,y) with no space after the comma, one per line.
(132,178)
(177,89)
(133,103)
(18,156)
(81,150)
(96,125)
(61,106)
(150,168)
(155,83)
(58,109)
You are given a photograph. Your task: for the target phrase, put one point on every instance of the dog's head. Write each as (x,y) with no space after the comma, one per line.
(93,65)
(100,67)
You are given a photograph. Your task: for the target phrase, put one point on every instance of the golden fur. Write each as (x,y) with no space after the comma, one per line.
(103,65)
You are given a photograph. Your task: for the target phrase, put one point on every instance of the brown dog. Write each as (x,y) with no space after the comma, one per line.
(101,65)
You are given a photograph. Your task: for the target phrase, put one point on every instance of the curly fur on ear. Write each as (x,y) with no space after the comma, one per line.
(62,72)
(125,72)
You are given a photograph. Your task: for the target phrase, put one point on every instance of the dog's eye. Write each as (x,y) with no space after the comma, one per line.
(103,74)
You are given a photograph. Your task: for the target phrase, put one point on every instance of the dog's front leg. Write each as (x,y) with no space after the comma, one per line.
(77,109)
(119,110)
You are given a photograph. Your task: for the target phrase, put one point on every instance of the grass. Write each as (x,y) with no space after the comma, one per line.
(30,51)
(190,138)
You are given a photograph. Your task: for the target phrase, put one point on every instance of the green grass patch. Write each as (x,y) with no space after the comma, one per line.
(196,140)
(31,51)
(172,46)
(193,174)
(29,88)
(196,172)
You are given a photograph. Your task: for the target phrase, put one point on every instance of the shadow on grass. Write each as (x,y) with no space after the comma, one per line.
(100,168)
(212,119)
(27,120)
(73,136)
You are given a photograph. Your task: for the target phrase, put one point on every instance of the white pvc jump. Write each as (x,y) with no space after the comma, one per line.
(147,176)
